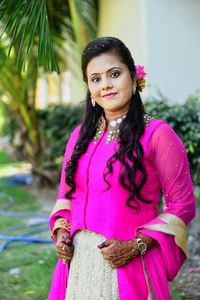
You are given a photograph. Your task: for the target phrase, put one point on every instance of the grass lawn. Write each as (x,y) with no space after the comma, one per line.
(25,269)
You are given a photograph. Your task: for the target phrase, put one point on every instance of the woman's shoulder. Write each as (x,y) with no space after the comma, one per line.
(75,131)
(151,124)
(159,129)
(151,121)
(74,135)
(156,128)
(71,141)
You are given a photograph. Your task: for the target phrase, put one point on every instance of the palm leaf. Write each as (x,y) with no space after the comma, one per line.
(27,21)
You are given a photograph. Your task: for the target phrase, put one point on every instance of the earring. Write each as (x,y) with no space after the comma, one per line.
(92,101)
(134,86)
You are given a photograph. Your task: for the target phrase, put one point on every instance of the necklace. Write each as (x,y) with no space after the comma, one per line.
(113,127)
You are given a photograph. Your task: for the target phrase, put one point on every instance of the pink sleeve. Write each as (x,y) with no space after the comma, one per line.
(62,206)
(170,162)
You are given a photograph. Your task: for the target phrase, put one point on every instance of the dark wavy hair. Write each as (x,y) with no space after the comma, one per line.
(130,152)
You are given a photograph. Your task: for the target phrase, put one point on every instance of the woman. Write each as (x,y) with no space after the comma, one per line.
(111,239)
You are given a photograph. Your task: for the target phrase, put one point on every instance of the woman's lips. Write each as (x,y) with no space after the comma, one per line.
(110,95)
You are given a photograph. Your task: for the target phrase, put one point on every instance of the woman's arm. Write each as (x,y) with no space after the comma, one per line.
(167,230)
(170,162)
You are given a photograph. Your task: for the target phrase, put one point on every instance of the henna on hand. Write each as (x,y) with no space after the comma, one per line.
(64,246)
(119,252)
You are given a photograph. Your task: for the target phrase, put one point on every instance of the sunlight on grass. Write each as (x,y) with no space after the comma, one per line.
(9,167)
(4,158)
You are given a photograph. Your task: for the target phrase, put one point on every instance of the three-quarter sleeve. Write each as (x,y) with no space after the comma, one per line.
(62,206)
(170,162)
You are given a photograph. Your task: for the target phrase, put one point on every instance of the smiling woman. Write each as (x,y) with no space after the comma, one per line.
(111,239)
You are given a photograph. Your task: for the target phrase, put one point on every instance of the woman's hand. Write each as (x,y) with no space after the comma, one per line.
(64,247)
(119,252)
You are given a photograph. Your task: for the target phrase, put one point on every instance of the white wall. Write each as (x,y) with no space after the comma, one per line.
(173,38)
(126,21)
(163,35)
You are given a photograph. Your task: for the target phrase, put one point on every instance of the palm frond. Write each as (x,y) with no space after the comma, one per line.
(88,16)
(26,21)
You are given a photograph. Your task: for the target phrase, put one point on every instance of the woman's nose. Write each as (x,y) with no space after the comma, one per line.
(106,83)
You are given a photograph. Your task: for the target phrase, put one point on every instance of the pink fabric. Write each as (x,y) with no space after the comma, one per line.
(105,212)
(63,188)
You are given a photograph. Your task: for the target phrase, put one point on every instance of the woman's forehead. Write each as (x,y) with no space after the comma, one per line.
(103,63)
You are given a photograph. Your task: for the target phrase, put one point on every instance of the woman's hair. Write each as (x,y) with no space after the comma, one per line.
(130,152)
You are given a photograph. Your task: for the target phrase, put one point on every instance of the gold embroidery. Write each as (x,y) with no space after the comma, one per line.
(60,223)
(174,226)
(113,127)
(61,204)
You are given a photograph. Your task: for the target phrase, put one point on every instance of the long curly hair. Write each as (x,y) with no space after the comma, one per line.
(130,151)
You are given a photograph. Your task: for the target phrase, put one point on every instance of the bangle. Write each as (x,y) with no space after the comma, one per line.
(142,246)
(60,223)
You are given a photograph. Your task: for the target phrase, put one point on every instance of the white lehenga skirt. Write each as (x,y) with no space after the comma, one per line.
(90,276)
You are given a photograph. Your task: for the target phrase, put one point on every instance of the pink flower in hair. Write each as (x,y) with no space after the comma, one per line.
(140,73)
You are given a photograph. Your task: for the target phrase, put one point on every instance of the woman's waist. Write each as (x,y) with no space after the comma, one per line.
(108,217)
(105,227)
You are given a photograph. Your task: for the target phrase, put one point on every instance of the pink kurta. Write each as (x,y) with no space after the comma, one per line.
(105,212)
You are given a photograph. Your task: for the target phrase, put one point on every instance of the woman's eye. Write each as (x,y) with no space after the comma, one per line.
(115,74)
(95,79)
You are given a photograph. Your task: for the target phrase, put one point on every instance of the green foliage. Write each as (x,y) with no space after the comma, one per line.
(6,126)
(2,120)
(4,159)
(50,27)
(56,124)
(28,20)
(185,120)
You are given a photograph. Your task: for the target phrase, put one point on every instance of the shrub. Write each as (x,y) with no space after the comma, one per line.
(56,124)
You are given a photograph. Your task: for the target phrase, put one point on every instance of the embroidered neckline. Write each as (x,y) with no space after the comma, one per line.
(113,127)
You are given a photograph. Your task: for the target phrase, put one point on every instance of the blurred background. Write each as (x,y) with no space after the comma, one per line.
(41,100)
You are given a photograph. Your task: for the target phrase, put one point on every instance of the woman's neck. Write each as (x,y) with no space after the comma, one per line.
(113,116)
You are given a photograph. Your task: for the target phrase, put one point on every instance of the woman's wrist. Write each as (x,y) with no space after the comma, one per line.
(60,224)
(63,233)
(144,243)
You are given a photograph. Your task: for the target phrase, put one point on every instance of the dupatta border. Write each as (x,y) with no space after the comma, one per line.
(174,225)
(61,204)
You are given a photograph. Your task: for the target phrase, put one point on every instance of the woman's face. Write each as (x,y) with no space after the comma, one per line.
(110,83)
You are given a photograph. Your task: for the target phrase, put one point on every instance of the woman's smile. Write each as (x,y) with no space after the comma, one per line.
(109,95)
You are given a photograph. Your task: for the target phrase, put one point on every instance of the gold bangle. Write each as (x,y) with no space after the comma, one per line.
(60,223)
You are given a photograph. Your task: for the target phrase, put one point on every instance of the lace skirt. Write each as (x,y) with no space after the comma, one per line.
(90,276)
